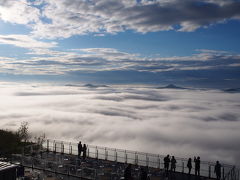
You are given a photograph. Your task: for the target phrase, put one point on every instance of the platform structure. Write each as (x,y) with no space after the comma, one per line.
(7,171)
(60,158)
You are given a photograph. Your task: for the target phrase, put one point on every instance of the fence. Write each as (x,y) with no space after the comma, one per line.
(229,172)
(233,174)
(56,167)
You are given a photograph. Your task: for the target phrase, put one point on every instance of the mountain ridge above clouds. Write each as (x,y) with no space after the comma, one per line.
(87,85)
(232,90)
(172,86)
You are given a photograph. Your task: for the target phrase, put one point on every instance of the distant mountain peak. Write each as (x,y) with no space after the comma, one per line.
(232,90)
(171,86)
(94,86)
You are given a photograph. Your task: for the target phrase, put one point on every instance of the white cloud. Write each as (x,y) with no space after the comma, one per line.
(180,122)
(64,18)
(25,41)
(48,61)
(18,11)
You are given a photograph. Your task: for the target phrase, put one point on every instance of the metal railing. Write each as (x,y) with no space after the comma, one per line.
(138,158)
(56,167)
(233,174)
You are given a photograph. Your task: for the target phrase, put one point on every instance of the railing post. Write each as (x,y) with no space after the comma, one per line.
(182,167)
(48,145)
(223,173)
(158,164)
(55,146)
(136,158)
(87,152)
(62,148)
(70,148)
(96,154)
(209,171)
(115,155)
(125,156)
(106,154)
(147,160)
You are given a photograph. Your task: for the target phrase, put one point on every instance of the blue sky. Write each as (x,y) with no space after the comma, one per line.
(187,42)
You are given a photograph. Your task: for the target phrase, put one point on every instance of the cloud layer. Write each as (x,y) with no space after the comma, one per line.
(46,61)
(63,18)
(180,122)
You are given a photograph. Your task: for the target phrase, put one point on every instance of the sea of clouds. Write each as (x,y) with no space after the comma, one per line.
(183,122)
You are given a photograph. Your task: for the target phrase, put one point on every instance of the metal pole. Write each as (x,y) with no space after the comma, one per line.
(106,155)
(136,158)
(182,167)
(48,145)
(55,146)
(105,149)
(96,153)
(223,174)
(147,160)
(62,147)
(209,171)
(158,165)
(70,148)
(126,158)
(115,152)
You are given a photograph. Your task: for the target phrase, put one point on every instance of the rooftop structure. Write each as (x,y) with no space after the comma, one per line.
(8,171)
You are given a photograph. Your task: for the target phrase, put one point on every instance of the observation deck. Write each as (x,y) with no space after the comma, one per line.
(59,160)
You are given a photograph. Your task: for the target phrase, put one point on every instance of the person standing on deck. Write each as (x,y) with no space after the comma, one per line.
(189,165)
(166,163)
(79,149)
(84,151)
(217,170)
(197,165)
(173,164)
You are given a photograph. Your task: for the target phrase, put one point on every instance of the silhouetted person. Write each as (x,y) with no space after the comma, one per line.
(128,172)
(166,163)
(217,170)
(84,151)
(173,164)
(189,165)
(80,149)
(144,174)
(197,165)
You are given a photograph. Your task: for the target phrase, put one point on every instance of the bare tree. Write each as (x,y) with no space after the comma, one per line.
(23,132)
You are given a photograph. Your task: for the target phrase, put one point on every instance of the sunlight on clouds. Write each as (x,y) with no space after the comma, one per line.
(18,11)
(77,17)
(25,41)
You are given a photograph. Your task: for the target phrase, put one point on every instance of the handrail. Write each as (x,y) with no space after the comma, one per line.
(55,167)
(134,157)
(233,174)
(131,151)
